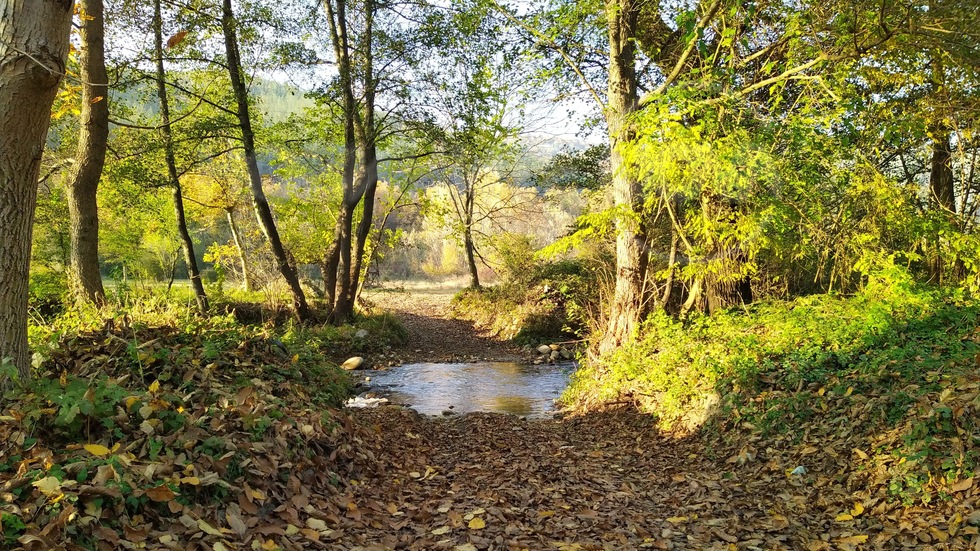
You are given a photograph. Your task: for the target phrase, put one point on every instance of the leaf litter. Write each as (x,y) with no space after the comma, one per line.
(231,453)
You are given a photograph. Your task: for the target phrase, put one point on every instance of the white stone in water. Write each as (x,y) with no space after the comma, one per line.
(360,402)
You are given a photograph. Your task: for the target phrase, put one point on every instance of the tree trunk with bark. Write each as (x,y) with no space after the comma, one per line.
(942,182)
(365,131)
(240,248)
(83,183)
(344,258)
(33,49)
(263,212)
(187,244)
(629,301)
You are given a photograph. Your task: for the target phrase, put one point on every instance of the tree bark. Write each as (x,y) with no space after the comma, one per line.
(628,301)
(942,183)
(941,179)
(187,244)
(471,258)
(370,162)
(83,213)
(33,49)
(340,260)
(240,247)
(365,131)
(469,248)
(263,212)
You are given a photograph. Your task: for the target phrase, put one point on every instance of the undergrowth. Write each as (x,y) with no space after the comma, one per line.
(894,367)
(143,412)
(536,301)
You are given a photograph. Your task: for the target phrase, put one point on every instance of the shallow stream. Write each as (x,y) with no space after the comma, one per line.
(503,387)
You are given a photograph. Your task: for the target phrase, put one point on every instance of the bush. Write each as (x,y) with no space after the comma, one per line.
(48,292)
(550,301)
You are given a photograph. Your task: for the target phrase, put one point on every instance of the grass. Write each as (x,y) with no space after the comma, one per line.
(894,365)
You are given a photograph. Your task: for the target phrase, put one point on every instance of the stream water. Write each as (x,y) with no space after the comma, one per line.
(503,387)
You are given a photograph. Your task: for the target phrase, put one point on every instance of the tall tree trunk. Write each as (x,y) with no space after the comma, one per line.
(628,302)
(365,131)
(187,244)
(263,212)
(470,251)
(33,49)
(941,179)
(370,162)
(942,184)
(240,248)
(83,185)
(338,259)
(469,248)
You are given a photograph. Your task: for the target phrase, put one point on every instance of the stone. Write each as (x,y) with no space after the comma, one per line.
(361,333)
(544,349)
(351,364)
(362,402)
(554,355)
(566,353)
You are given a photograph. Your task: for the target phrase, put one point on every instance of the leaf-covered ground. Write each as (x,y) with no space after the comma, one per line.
(217,438)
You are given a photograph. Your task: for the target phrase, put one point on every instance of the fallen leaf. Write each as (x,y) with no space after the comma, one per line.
(963,485)
(477,524)
(161,493)
(97,450)
(208,529)
(49,486)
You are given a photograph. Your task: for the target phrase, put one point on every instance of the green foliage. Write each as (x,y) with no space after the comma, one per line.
(48,292)
(895,359)
(537,301)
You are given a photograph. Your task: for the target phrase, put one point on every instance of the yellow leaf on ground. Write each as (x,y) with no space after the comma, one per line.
(852,540)
(477,524)
(97,449)
(843,517)
(317,524)
(208,529)
(858,509)
(677,520)
(154,387)
(49,486)
(440,531)
(192,480)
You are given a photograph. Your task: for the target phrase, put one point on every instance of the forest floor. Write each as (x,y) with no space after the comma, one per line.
(608,480)
(213,438)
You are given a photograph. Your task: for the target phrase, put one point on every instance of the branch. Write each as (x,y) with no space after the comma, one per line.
(551,43)
(681,61)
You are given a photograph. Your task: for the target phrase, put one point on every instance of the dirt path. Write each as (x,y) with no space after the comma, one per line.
(434,335)
(602,481)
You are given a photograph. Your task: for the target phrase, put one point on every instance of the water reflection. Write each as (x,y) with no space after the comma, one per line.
(504,387)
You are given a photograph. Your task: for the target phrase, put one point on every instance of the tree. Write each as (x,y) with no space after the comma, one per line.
(83,185)
(263,212)
(33,53)
(173,177)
